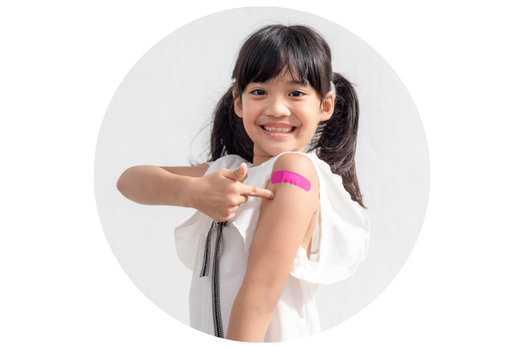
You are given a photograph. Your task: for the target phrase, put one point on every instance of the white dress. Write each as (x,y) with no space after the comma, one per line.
(339,244)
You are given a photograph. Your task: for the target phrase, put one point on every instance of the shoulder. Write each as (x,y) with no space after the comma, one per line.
(298,169)
(295,162)
(230,162)
(190,171)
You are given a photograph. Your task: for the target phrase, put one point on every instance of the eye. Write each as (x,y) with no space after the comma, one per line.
(258,92)
(296,94)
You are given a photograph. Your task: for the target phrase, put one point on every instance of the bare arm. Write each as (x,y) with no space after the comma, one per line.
(218,194)
(281,228)
(152,185)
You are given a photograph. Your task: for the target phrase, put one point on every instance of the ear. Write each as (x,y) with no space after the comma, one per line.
(327,106)
(237,103)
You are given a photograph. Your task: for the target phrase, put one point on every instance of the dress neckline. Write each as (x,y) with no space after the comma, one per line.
(253,169)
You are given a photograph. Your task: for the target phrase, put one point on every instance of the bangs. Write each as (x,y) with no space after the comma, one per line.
(274,51)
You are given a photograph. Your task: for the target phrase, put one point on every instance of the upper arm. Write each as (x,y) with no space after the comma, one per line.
(282,224)
(190,171)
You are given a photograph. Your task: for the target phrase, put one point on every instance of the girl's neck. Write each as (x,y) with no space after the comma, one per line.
(259,160)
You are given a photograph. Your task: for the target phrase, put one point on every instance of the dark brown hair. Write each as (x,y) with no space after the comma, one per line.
(277,49)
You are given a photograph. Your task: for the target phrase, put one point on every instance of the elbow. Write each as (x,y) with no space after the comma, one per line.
(271,297)
(121,184)
(266,299)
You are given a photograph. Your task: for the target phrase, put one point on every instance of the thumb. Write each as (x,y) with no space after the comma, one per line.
(239,174)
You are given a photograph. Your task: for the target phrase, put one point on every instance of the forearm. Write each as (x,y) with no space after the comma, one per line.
(151,185)
(251,314)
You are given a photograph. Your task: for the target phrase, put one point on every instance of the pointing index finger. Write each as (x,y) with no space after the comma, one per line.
(251,190)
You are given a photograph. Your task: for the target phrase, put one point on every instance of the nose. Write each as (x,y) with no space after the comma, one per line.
(277,107)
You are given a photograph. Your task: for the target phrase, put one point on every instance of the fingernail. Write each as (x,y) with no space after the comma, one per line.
(272,195)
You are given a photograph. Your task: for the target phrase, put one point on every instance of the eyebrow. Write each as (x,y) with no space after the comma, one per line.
(290,82)
(296,82)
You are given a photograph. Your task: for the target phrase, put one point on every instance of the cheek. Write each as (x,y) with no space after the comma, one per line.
(250,115)
(249,123)
(310,116)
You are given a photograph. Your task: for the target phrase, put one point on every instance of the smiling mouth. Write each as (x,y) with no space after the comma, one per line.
(279,129)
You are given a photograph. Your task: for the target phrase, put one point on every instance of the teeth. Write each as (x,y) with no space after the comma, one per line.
(278,129)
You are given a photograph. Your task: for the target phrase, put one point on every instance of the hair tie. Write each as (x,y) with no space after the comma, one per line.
(332,88)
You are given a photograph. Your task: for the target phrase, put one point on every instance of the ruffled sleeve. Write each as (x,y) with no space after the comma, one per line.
(342,239)
(339,243)
(187,235)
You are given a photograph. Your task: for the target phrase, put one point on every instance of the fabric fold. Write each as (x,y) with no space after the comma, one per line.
(339,243)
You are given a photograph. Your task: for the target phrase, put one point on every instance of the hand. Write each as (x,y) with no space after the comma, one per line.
(220,194)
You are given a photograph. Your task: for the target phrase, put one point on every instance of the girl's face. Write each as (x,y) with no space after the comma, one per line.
(281,115)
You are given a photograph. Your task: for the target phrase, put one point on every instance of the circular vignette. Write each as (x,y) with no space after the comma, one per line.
(157,117)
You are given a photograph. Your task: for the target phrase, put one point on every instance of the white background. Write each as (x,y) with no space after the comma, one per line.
(163,102)
(61,63)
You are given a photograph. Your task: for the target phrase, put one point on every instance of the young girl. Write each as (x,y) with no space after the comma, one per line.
(279,206)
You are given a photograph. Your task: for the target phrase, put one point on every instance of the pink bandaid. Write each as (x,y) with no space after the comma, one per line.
(291,178)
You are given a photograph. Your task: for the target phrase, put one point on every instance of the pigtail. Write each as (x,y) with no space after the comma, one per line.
(228,135)
(337,142)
